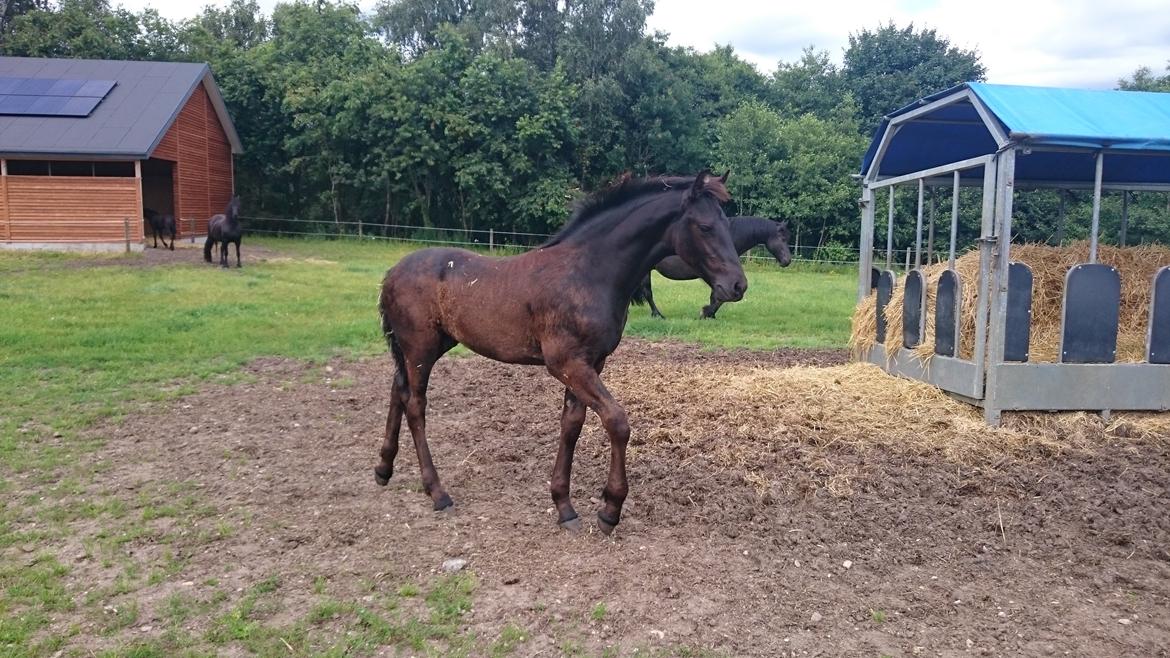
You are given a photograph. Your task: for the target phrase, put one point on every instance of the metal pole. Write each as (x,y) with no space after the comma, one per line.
(954,220)
(865,245)
(908,251)
(1003,220)
(986,244)
(890,233)
(918,226)
(1096,207)
(1060,218)
(930,231)
(1124,216)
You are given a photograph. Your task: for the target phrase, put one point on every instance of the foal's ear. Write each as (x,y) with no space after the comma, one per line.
(700,184)
(723,178)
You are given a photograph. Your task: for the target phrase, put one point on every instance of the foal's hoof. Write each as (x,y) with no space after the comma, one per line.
(606,526)
(443,503)
(573,525)
(381,479)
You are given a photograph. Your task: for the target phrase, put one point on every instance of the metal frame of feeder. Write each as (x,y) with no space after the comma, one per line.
(988,379)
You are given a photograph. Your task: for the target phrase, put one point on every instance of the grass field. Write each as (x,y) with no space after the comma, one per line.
(85,337)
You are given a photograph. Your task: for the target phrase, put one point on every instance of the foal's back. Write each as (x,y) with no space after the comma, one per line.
(498,307)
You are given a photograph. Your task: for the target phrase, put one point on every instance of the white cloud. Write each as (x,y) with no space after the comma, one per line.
(1076,43)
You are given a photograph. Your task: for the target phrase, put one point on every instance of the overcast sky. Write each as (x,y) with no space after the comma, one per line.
(1070,43)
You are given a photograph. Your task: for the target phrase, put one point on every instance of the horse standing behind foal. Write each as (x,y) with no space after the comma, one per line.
(746,232)
(224,229)
(563,305)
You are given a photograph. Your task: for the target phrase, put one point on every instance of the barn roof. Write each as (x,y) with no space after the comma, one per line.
(128,123)
(1065,127)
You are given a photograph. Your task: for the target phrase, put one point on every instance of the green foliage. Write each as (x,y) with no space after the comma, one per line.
(890,67)
(1144,79)
(793,168)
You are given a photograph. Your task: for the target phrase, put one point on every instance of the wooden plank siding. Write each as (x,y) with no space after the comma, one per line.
(198,145)
(72,209)
(5,225)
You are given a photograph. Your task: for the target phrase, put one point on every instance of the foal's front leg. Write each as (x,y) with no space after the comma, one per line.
(585,383)
(572,418)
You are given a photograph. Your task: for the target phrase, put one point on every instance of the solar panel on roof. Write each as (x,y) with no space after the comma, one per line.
(51,96)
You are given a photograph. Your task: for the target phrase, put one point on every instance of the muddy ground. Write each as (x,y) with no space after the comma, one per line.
(1064,553)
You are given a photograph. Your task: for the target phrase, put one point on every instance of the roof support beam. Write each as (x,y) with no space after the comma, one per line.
(969,163)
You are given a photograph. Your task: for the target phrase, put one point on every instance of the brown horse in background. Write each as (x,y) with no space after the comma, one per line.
(562,305)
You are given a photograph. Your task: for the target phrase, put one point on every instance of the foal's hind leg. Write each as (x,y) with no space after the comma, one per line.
(237,253)
(419,362)
(398,395)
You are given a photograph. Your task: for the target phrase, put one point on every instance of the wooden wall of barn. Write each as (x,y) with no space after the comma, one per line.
(199,147)
(69,209)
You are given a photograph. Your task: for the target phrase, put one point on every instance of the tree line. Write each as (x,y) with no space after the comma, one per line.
(479,114)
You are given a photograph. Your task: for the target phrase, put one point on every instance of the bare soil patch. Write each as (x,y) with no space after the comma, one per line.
(804,536)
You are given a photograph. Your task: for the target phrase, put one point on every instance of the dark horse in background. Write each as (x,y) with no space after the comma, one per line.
(746,232)
(224,229)
(562,305)
(161,224)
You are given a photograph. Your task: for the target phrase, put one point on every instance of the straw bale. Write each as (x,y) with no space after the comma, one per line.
(1137,266)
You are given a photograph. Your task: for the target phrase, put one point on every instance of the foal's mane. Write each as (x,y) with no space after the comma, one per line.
(627,188)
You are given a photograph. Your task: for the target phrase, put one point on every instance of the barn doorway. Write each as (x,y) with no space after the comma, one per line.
(158,188)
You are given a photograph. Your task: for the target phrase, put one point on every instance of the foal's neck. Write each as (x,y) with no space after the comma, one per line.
(628,240)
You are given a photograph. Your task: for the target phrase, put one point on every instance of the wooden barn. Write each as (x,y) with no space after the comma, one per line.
(85,145)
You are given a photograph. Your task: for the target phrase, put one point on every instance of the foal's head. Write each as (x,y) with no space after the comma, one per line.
(777,244)
(704,242)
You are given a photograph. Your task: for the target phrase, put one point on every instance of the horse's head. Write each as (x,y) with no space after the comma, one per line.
(777,243)
(233,207)
(703,240)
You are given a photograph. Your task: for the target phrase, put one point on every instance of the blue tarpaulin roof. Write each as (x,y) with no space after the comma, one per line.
(1133,126)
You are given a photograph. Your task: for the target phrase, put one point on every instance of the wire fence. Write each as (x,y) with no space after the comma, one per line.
(834,255)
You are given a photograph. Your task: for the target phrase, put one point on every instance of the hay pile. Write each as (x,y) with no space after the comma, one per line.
(744,418)
(1137,266)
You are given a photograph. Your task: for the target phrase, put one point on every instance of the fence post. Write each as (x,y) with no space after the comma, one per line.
(491,240)
(126,231)
(359,228)
(191,226)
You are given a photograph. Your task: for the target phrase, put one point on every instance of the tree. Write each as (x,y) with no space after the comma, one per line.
(1144,79)
(90,29)
(414,25)
(811,85)
(795,168)
(890,67)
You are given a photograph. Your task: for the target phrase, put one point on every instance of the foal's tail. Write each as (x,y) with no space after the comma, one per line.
(388,331)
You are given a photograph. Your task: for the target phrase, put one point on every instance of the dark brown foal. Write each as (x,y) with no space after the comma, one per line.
(562,305)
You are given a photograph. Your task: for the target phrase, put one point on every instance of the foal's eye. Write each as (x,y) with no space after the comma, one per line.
(706,228)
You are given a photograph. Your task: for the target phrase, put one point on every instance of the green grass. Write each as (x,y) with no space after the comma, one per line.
(87,337)
(792,307)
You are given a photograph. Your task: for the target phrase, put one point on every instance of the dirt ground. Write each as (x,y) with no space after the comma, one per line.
(1045,553)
